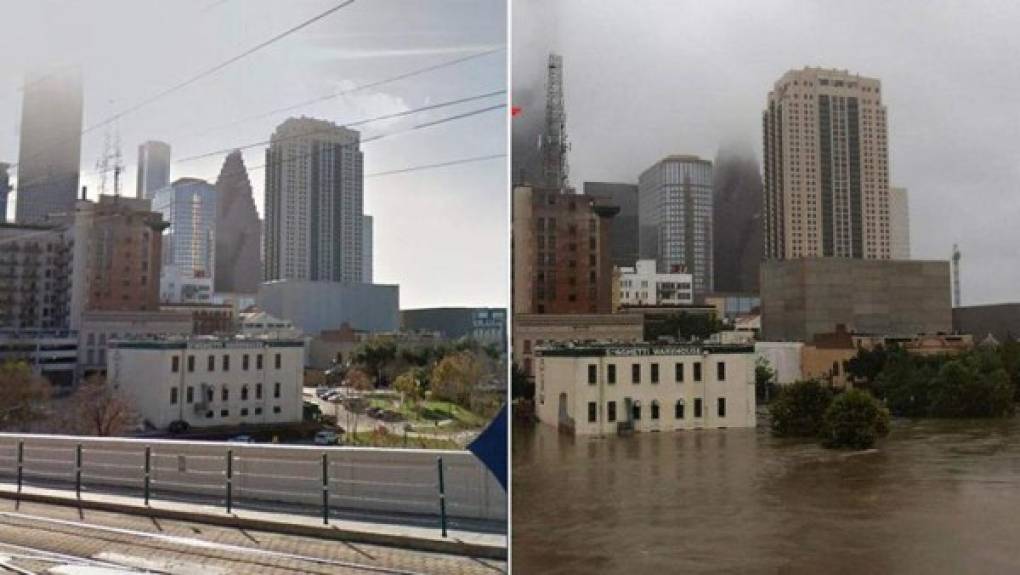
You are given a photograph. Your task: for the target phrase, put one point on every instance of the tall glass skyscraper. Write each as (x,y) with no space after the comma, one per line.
(189,242)
(153,168)
(675,218)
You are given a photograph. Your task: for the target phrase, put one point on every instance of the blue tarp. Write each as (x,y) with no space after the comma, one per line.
(490,447)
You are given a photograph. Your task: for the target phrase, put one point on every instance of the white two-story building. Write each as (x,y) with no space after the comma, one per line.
(605,388)
(210,381)
(642,285)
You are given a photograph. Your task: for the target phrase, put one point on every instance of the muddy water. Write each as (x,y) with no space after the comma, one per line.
(936,497)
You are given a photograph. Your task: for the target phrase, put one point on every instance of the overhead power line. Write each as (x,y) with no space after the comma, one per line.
(435,166)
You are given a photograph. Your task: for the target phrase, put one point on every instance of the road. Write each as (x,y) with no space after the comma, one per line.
(42,538)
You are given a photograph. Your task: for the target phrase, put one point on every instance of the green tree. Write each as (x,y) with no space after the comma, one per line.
(865,367)
(375,355)
(410,387)
(455,377)
(23,395)
(854,420)
(764,379)
(1009,351)
(973,385)
(905,384)
(799,409)
(521,386)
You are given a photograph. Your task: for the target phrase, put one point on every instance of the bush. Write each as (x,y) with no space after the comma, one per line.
(799,409)
(854,420)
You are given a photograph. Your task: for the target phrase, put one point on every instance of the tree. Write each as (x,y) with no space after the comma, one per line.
(764,378)
(855,420)
(409,386)
(359,381)
(521,386)
(455,377)
(799,409)
(97,408)
(865,367)
(974,385)
(374,356)
(904,383)
(23,395)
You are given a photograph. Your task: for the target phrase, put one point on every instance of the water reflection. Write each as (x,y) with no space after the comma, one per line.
(937,497)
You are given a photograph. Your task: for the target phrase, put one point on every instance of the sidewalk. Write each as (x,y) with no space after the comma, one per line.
(491,546)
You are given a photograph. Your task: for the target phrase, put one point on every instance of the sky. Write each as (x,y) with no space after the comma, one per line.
(644,79)
(441,234)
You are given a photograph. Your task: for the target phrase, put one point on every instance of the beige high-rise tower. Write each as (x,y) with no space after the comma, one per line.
(826,167)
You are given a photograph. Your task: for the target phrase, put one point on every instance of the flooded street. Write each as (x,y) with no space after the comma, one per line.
(938,496)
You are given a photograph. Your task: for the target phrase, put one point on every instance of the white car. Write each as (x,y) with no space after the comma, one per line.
(326,437)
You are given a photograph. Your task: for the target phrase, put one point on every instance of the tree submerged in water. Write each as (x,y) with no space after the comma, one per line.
(854,420)
(799,408)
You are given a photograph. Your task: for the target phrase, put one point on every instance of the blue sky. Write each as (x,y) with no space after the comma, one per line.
(441,234)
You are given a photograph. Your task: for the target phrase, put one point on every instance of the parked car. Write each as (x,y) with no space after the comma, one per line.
(326,437)
(178,426)
(242,439)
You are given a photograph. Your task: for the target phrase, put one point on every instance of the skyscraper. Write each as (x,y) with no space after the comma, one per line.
(736,225)
(49,157)
(675,215)
(314,191)
(153,169)
(826,167)
(238,230)
(366,246)
(5,189)
(189,242)
(899,223)
(623,243)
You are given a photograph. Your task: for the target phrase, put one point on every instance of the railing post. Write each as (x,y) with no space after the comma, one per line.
(77,471)
(21,463)
(230,475)
(325,490)
(148,469)
(442,496)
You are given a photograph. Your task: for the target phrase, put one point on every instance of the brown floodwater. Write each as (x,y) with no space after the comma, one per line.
(937,496)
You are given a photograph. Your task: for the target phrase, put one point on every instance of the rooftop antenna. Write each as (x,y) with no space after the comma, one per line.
(956,276)
(554,141)
(111,159)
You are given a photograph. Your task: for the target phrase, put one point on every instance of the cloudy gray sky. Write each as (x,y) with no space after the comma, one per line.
(441,234)
(644,79)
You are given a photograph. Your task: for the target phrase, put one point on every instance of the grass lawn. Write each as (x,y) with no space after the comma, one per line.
(431,411)
(374,439)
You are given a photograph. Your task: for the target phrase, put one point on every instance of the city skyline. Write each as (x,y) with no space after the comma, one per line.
(350,49)
(710,87)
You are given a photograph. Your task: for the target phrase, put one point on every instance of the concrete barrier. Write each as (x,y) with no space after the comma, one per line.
(371,480)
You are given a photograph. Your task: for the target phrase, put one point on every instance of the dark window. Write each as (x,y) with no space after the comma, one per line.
(635,412)
(720,371)
(224,413)
(610,373)
(697,407)
(276,390)
(611,411)
(279,361)
(635,373)
(258,361)
(244,412)
(679,373)
(697,371)
(721,404)
(276,409)
(190,394)
(593,412)
(678,410)
(258,391)
(173,396)
(244,362)
(655,373)
(224,393)
(258,411)
(655,410)
(226,362)
(209,414)
(244,393)
(175,364)
(212,363)
(209,394)
(593,374)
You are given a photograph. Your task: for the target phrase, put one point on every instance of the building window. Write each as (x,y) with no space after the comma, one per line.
(258,391)
(190,394)
(211,365)
(655,409)
(720,371)
(610,374)
(635,373)
(678,409)
(226,362)
(244,412)
(258,361)
(593,374)
(173,396)
(279,361)
(244,362)
(244,393)
(593,412)
(697,371)
(697,407)
(224,413)
(175,364)
(224,393)
(679,372)
(209,394)
(276,390)
(276,409)
(209,414)
(655,373)
(611,411)
(635,411)
(191,363)
(721,406)
(258,411)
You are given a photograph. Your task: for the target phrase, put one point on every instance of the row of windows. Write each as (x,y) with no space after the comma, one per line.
(224,393)
(635,372)
(175,362)
(678,410)
(244,412)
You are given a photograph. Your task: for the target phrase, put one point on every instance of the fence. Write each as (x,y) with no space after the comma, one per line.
(415,484)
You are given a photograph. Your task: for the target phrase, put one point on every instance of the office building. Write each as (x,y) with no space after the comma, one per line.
(675,215)
(623,241)
(807,296)
(210,381)
(826,167)
(49,157)
(603,389)
(366,246)
(531,331)
(899,224)
(153,169)
(238,230)
(52,354)
(561,256)
(189,240)
(642,285)
(206,318)
(736,223)
(314,189)
(36,265)
(98,328)
(5,190)
(317,306)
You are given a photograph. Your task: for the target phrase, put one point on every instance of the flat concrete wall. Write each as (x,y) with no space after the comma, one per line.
(1001,320)
(403,481)
(804,297)
(313,306)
